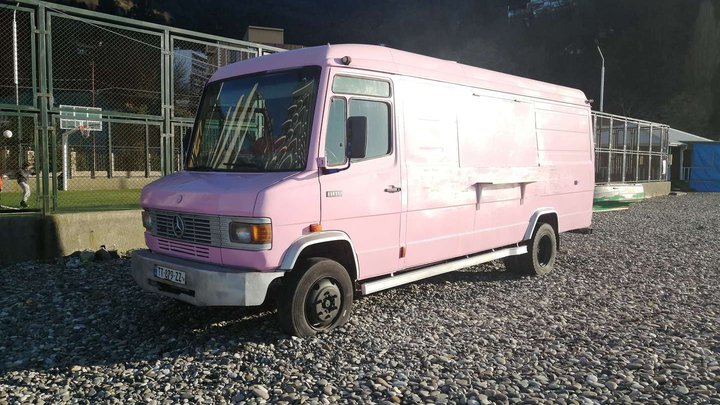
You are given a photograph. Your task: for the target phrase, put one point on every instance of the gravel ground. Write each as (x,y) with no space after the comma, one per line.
(631,314)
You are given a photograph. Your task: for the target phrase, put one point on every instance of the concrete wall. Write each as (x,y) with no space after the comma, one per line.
(656,189)
(31,236)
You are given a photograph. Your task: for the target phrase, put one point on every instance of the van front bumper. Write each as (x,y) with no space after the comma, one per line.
(205,284)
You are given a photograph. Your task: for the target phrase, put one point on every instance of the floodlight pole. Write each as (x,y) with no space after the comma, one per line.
(602,79)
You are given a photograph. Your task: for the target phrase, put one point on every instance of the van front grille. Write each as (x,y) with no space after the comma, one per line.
(184,248)
(191,228)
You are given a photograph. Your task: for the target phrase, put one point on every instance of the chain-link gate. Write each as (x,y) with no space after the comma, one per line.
(144,80)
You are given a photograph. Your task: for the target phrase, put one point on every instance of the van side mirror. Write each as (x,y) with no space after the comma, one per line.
(356,137)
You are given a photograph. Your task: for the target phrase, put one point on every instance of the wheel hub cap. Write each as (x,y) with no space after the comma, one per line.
(545,250)
(323,303)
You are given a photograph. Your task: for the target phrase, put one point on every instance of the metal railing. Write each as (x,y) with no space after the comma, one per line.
(628,150)
(145,78)
(686,173)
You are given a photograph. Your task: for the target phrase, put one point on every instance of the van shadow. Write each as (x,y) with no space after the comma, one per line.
(54,319)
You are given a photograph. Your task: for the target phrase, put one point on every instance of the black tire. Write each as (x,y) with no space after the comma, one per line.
(541,255)
(316,296)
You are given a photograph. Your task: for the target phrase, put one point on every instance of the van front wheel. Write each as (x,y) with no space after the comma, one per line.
(317,297)
(540,258)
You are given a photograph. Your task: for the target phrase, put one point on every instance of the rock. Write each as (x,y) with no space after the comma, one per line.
(87,255)
(261,392)
(102,254)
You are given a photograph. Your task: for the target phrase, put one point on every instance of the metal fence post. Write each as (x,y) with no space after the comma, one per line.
(110,168)
(650,154)
(53,164)
(610,151)
(163,148)
(624,161)
(166,129)
(637,154)
(147,150)
(43,98)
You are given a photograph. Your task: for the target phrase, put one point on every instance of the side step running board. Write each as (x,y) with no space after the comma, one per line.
(415,275)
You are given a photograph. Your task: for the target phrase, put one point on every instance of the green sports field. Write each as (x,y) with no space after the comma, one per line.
(84,200)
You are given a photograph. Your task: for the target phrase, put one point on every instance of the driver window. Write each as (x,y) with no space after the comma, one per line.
(335,139)
(378,125)
(367,98)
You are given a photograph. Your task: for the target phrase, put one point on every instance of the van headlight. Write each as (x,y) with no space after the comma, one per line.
(147,220)
(250,233)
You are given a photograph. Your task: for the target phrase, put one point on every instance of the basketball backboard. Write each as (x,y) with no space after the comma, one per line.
(81,117)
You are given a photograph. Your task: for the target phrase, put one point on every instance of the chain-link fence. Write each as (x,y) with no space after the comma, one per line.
(193,62)
(628,150)
(95,169)
(143,80)
(99,64)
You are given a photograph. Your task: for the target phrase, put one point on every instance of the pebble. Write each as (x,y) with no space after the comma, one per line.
(595,330)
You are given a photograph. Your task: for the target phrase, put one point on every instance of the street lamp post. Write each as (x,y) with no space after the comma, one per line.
(602,79)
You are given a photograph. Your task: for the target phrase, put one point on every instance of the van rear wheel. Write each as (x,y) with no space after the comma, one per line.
(317,297)
(541,255)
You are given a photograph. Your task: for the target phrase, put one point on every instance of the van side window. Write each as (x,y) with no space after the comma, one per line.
(335,139)
(378,125)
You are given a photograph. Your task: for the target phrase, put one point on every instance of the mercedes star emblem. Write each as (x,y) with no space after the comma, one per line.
(178,226)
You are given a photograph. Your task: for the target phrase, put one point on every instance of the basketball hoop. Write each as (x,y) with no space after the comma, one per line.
(84,131)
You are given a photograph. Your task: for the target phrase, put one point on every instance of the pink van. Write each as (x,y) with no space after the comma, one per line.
(318,175)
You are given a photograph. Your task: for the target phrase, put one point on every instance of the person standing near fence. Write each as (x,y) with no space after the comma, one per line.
(22,175)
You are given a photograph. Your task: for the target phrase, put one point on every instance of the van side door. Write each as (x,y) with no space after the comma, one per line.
(364,199)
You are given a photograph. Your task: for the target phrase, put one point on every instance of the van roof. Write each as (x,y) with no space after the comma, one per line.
(394,61)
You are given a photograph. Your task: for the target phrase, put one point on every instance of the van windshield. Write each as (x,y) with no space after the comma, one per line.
(255,123)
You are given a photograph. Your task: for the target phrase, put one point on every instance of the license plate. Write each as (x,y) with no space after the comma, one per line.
(176,276)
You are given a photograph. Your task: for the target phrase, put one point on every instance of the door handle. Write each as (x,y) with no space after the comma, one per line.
(392,189)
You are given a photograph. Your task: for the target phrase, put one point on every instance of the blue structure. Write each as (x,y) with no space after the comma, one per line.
(705,173)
